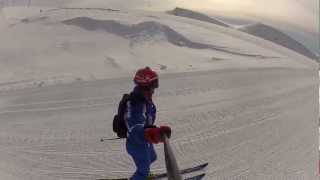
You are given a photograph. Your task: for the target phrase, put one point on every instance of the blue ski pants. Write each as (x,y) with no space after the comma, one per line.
(143,156)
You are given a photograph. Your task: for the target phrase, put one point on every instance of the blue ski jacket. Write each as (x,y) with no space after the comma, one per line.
(140,113)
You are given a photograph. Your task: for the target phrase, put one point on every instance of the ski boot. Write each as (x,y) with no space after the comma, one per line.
(151,176)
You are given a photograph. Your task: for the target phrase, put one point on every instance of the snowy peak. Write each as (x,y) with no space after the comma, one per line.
(258,29)
(196,15)
(149,30)
(269,33)
(144,31)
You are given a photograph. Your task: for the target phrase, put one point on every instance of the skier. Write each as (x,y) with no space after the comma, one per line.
(140,117)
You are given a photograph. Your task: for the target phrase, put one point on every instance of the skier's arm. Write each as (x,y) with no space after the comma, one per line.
(155,134)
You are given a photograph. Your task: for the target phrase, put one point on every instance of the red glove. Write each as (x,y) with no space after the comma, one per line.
(155,135)
(165,130)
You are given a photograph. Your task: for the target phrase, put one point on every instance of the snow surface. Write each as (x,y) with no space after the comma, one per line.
(77,53)
(245,105)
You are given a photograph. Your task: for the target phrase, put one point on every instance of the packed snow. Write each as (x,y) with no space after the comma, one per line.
(245,105)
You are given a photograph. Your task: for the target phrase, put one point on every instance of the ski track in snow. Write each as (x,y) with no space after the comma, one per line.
(247,124)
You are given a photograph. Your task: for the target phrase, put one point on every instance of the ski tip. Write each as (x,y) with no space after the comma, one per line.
(205,164)
(197,177)
(201,176)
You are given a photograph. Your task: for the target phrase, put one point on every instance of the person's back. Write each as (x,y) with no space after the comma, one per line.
(140,118)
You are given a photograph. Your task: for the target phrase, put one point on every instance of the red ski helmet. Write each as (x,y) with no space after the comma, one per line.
(146,78)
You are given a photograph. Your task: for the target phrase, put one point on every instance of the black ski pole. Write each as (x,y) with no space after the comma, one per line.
(108,139)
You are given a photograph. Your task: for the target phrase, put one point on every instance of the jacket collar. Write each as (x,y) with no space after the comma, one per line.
(141,95)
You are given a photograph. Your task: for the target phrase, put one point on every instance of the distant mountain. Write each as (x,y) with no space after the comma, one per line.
(143,31)
(260,30)
(148,31)
(269,33)
(196,15)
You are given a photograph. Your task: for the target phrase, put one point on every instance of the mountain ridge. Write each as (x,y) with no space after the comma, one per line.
(260,30)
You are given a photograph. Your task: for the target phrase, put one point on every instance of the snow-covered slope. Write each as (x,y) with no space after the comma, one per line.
(196,15)
(258,29)
(276,36)
(96,43)
(243,104)
(255,123)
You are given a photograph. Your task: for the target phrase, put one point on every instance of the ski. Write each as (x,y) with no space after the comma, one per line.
(163,175)
(184,171)
(197,177)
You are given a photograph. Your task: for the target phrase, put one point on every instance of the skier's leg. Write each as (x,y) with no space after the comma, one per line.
(141,158)
(152,154)
(143,169)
